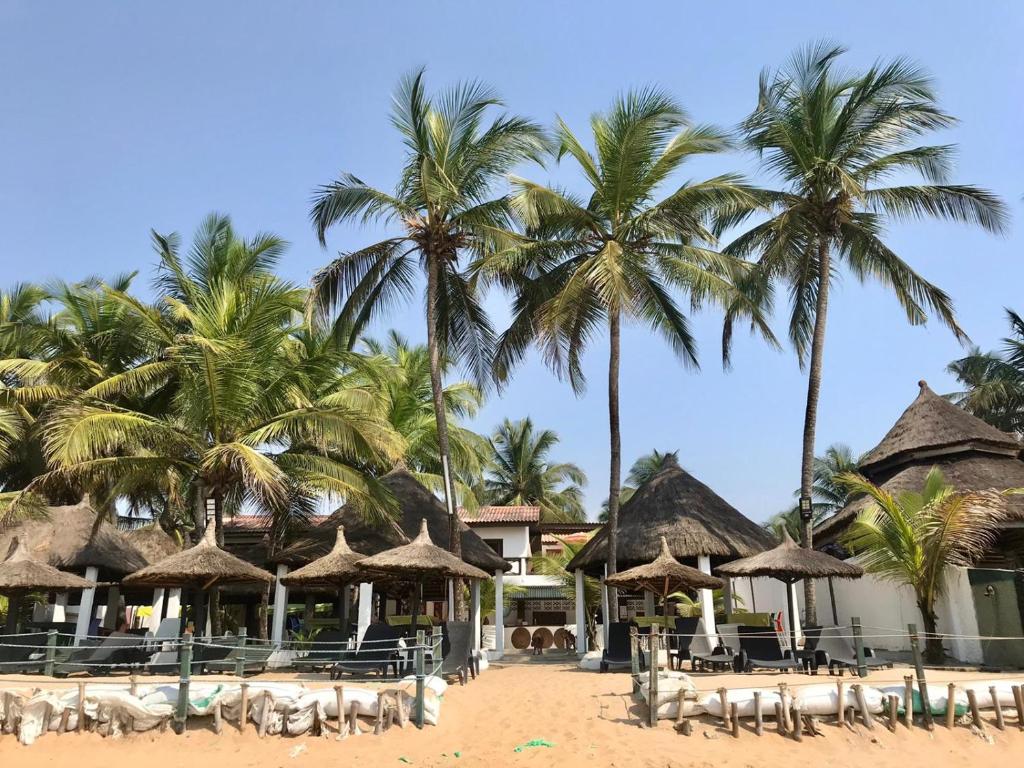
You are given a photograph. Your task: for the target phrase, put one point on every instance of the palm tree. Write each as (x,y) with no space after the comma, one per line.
(643,469)
(520,472)
(911,538)
(446,206)
(619,252)
(828,494)
(834,139)
(994,383)
(555,566)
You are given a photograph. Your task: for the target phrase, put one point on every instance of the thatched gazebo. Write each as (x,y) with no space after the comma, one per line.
(971,454)
(334,571)
(417,561)
(199,569)
(697,524)
(790,563)
(21,573)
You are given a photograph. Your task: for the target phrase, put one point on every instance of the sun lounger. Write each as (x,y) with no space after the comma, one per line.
(118,652)
(760,649)
(837,653)
(22,654)
(210,650)
(710,654)
(249,657)
(618,653)
(328,648)
(378,652)
(457,661)
(681,642)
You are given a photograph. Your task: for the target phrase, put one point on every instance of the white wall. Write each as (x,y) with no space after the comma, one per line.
(515,541)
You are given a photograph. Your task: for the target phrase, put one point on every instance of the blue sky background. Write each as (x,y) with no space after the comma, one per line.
(115,118)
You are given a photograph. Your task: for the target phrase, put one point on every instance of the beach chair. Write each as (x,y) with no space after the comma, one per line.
(210,650)
(836,653)
(119,651)
(709,654)
(329,647)
(618,653)
(23,654)
(249,657)
(458,660)
(679,643)
(760,649)
(378,652)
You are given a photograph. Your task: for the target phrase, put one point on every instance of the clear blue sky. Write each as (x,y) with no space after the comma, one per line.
(118,117)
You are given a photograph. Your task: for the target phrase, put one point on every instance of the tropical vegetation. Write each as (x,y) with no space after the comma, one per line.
(554,565)
(828,494)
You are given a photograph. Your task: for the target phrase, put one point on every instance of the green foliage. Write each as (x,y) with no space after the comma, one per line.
(828,494)
(555,566)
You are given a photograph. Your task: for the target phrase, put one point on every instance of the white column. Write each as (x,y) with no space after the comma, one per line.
(581,615)
(280,605)
(796,613)
(474,612)
(451,600)
(174,603)
(605,609)
(499,613)
(86,605)
(157,608)
(60,606)
(707,601)
(365,610)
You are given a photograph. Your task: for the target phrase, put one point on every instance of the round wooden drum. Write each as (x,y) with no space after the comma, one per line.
(542,636)
(561,638)
(520,638)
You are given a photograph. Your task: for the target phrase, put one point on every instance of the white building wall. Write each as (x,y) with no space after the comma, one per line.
(515,542)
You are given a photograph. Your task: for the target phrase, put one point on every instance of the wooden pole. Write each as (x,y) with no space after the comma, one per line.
(758,715)
(8,709)
(339,696)
(858,646)
(378,725)
(652,714)
(80,725)
(1018,700)
(783,692)
(680,700)
(950,705)
(51,651)
(780,721)
(421,640)
(184,676)
(243,715)
(735,717)
(972,699)
(893,703)
(268,707)
(798,724)
(840,701)
(353,719)
(217,714)
(908,700)
(998,707)
(723,699)
(862,705)
(922,684)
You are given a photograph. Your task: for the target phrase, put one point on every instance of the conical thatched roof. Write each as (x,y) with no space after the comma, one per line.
(336,568)
(693,519)
(663,576)
(203,565)
(153,542)
(20,571)
(75,537)
(421,558)
(934,425)
(415,503)
(791,562)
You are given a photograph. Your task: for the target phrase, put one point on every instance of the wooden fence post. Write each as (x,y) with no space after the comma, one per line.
(184,678)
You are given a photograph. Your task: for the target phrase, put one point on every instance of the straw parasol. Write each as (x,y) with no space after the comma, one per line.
(335,570)
(790,563)
(199,568)
(21,573)
(663,576)
(419,560)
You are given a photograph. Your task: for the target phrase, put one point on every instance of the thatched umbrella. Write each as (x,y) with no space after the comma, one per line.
(335,570)
(662,576)
(199,568)
(417,561)
(790,563)
(21,573)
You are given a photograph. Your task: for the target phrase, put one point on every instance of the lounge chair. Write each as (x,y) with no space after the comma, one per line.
(23,653)
(760,649)
(249,657)
(710,654)
(679,643)
(329,647)
(837,653)
(458,661)
(618,653)
(210,650)
(119,651)
(379,652)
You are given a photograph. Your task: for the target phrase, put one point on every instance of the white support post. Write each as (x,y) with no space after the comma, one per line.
(60,608)
(86,605)
(474,612)
(451,599)
(280,606)
(174,603)
(581,615)
(796,613)
(112,608)
(606,615)
(499,613)
(157,608)
(707,601)
(365,610)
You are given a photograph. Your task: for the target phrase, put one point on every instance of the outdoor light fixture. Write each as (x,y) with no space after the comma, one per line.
(805,508)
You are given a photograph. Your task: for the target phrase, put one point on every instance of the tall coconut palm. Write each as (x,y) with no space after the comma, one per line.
(913,537)
(993,383)
(828,494)
(445,207)
(643,469)
(521,472)
(620,252)
(834,139)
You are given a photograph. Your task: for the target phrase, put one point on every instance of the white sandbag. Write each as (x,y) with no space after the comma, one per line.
(482,661)
(824,699)
(1004,692)
(744,700)
(591,661)
(431,683)
(667,702)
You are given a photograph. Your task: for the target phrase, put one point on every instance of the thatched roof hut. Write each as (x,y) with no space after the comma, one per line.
(790,562)
(338,567)
(663,576)
(415,503)
(22,572)
(204,565)
(74,538)
(933,432)
(693,519)
(421,558)
(153,542)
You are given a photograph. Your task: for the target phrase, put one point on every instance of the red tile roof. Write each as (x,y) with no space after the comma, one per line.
(496,514)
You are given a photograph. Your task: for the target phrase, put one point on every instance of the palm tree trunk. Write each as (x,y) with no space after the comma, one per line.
(615,453)
(440,416)
(811,415)
(933,652)
(218,521)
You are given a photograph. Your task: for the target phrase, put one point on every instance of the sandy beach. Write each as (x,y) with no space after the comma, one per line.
(588,718)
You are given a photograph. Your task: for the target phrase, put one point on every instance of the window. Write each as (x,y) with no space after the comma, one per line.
(498,545)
